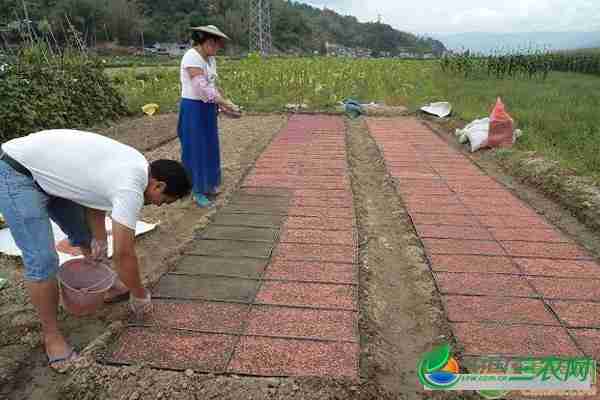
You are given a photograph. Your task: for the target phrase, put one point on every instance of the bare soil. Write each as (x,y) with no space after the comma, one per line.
(400,313)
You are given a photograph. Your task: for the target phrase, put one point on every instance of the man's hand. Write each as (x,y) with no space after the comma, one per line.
(99,250)
(141,307)
(125,259)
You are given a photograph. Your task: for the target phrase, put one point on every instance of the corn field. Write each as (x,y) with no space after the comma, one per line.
(278,84)
(587,63)
(533,65)
(317,82)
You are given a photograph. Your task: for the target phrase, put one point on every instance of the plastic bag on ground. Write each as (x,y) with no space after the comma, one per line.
(440,109)
(517,134)
(501,127)
(476,133)
(353,108)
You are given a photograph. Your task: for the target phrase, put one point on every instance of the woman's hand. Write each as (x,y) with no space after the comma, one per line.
(229,105)
(230,109)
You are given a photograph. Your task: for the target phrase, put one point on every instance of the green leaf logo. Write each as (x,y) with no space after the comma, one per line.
(429,370)
(437,358)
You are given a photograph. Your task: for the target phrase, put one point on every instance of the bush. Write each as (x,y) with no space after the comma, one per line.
(43,91)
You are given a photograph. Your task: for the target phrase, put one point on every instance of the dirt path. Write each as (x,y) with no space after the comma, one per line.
(400,315)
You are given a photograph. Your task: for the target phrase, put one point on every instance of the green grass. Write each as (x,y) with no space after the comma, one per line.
(559,115)
(143,85)
(137,61)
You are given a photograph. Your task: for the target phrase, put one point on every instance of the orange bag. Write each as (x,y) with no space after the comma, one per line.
(501,127)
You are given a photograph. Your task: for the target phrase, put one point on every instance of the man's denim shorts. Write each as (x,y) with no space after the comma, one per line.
(28,210)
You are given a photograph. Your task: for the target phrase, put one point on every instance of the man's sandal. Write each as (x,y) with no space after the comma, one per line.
(117,299)
(55,362)
(119,286)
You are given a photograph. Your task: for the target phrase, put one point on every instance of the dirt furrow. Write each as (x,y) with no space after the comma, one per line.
(400,310)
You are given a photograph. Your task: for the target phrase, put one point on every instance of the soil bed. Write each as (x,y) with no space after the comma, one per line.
(401,315)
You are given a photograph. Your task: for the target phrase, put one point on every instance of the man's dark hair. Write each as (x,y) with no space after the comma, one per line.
(174,175)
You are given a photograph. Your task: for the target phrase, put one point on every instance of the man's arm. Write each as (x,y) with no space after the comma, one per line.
(125,258)
(97,222)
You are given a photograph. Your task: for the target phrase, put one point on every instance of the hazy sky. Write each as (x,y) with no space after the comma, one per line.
(443,16)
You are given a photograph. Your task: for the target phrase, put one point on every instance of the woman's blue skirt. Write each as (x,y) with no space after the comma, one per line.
(200,153)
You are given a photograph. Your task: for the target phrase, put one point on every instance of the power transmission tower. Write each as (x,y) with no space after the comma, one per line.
(260,26)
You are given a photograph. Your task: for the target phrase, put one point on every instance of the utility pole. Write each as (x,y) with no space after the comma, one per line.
(28,21)
(260,26)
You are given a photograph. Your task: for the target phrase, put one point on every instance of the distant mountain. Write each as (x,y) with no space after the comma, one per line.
(483,42)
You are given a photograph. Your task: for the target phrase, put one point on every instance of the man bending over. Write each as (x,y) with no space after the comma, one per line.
(74,178)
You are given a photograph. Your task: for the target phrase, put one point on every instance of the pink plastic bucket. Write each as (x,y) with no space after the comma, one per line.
(83,284)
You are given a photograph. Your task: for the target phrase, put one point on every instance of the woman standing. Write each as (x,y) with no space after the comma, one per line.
(200,103)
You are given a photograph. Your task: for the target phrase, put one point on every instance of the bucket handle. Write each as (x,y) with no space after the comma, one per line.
(112,276)
(90,289)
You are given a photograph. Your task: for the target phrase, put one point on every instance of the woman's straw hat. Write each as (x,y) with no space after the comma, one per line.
(211,29)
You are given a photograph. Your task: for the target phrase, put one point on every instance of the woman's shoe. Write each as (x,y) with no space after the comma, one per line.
(202,201)
(214,191)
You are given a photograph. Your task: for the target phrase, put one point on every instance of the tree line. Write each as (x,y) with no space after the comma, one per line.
(295,26)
